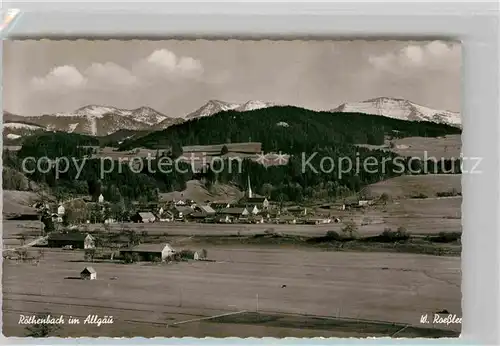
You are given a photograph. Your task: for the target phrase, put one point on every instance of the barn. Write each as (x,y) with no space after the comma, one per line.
(143,217)
(77,240)
(148,252)
(88,273)
(235,212)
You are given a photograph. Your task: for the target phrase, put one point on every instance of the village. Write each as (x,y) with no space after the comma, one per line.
(131,245)
(251,209)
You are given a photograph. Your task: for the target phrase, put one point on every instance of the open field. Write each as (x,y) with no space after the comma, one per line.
(406,186)
(441,147)
(15,202)
(13,230)
(415,226)
(148,300)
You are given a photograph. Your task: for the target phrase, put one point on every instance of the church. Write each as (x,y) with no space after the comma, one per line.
(250,199)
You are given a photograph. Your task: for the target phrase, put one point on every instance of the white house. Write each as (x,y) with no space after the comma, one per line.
(56,218)
(61,210)
(100,199)
(363,203)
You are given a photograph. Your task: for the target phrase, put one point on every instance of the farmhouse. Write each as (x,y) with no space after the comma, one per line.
(166,216)
(61,211)
(297,210)
(77,240)
(143,217)
(256,219)
(289,219)
(223,219)
(56,218)
(262,202)
(198,215)
(235,212)
(252,209)
(180,212)
(199,255)
(317,221)
(88,273)
(206,209)
(274,214)
(217,206)
(148,252)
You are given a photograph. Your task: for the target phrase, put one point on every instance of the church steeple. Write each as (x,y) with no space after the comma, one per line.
(249,191)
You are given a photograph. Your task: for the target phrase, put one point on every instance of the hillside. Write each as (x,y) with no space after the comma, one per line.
(18,202)
(290,130)
(196,191)
(304,130)
(116,138)
(407,186)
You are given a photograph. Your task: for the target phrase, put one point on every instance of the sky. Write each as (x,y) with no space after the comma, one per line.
(176,77)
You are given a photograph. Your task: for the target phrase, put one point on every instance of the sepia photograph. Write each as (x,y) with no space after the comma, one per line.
(232,188)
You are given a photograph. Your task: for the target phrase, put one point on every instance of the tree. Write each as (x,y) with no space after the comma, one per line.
(41,329)
(204,253)
(22,254)
(133,238)
(95,213)
(267,189)
(384,198)
(176,150)
(224,150)
(402,232)
(350,228)
(131,257)
(90,254)
(117,210)
(48,224)
(65,219)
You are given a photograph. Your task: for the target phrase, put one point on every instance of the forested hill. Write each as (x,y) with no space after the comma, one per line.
(288,129)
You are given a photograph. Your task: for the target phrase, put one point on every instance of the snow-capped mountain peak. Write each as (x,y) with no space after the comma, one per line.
(215,106)
(253,105)
(147,115)
(401,109)
(212,107)
(100,120)
(91,111)
(20,125)
(143,114)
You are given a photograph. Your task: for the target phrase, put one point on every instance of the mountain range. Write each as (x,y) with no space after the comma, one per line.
(104,120)
(401,109)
